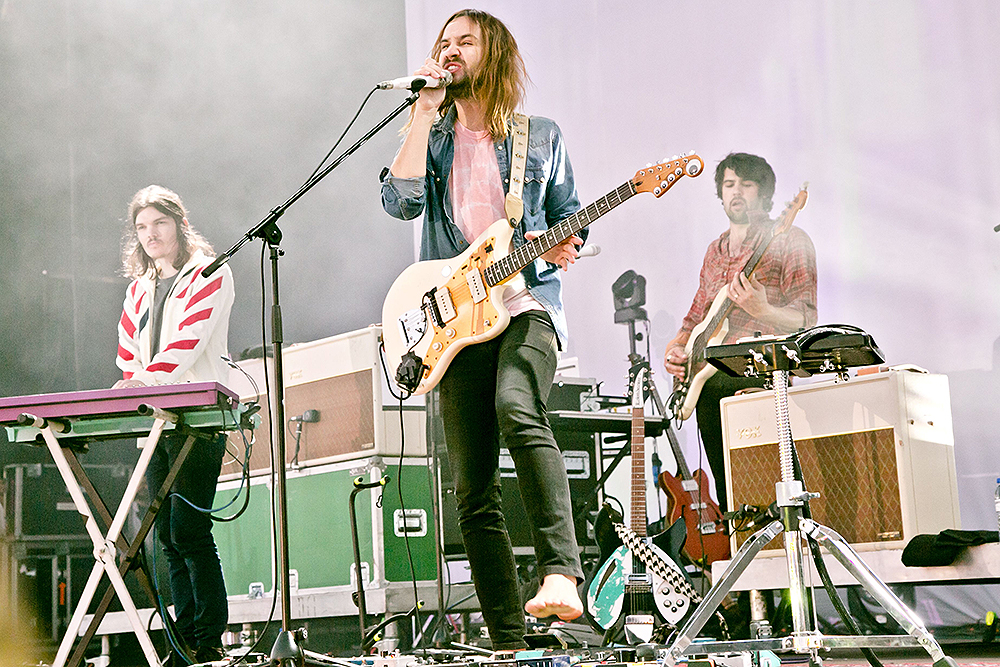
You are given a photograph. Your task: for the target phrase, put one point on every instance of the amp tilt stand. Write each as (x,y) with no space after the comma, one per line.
(798,353)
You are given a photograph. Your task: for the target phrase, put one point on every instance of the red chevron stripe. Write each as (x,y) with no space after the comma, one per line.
(187,344)
(197,317)
(127,324)
(205,291)
(161,366)
(125,354)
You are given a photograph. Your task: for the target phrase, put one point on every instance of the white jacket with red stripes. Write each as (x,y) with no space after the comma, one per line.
(194,330)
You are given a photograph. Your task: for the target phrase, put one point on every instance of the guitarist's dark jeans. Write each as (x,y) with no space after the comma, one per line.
(709,415)
(501,386)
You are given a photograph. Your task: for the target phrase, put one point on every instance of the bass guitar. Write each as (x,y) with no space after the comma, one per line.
(435,308)
(713,328)
(639,586)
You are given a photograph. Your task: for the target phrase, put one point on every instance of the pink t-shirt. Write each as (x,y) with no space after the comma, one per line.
(477,198)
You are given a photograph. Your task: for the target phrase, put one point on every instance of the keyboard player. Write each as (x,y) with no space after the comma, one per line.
(174,328)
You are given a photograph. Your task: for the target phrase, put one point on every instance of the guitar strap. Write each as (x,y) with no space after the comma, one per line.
(513,205)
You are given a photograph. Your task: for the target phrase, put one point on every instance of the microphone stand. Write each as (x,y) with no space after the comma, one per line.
(286,649)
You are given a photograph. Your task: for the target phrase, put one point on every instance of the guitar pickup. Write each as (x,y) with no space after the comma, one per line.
(707,528)
(444,306)
(639,579)
(476,286)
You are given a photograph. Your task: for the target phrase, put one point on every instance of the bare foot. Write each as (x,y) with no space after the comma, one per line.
(557,596)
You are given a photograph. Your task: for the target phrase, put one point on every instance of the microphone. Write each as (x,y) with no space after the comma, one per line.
(309,417)
(592,250)
(415,83)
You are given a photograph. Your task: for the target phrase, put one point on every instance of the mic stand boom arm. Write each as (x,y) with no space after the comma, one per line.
(266,227)
(285,649)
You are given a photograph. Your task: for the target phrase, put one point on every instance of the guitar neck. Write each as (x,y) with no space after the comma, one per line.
(511,264)
(682,467)
(638,519)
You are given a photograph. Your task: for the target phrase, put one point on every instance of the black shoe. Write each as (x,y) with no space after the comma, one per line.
(206,653)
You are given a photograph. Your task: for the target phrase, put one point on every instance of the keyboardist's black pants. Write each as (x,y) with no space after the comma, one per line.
(500,388)
(196,585)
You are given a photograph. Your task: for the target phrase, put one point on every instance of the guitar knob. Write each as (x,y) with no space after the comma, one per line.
(450,333)
(437,346)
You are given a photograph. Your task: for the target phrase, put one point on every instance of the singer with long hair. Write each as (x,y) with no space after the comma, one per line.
(454,166)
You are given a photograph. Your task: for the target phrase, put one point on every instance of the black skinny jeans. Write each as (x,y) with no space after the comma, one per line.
(201,608)
(496,392)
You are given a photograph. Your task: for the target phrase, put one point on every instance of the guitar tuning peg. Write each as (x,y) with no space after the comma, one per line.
(648,165)
(673,158)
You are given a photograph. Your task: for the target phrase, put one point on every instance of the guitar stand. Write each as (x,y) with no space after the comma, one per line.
(791,497)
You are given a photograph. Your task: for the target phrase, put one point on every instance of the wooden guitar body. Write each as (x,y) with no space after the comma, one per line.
(707,540)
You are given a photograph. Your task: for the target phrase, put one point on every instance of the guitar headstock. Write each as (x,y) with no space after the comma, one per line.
(638,389)
(784,220)
(660,177)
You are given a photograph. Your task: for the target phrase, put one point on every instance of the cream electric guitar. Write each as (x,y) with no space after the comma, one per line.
(713,329)
(435,308)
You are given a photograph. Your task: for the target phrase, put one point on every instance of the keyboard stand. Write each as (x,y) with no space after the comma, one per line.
(108,545)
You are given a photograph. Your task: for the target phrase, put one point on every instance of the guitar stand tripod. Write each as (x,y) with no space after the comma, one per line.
(778,357)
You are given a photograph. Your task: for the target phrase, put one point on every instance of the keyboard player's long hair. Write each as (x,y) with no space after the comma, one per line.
(135,261)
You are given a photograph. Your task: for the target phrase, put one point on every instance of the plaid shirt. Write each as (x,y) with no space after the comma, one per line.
(787,270)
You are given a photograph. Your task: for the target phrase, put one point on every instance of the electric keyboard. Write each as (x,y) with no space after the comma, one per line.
(120,412)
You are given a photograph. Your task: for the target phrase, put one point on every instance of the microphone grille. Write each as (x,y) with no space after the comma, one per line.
(446,79)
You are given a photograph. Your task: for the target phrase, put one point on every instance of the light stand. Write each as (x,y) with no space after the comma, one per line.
(779,357)
(286,649)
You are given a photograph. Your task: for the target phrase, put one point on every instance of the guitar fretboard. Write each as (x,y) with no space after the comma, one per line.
(520,257)
(638,519)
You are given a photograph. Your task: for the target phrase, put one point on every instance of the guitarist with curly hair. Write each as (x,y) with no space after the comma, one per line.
(756,277)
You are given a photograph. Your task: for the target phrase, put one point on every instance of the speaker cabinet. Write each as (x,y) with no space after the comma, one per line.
(340,378)
(878,448)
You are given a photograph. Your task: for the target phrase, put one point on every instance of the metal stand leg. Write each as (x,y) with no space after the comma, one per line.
(790,498)
(104,546)
(849,558)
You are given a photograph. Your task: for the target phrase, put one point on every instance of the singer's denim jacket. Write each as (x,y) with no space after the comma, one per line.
(549,196)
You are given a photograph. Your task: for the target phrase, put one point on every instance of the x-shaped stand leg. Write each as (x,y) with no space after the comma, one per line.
(105,549)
